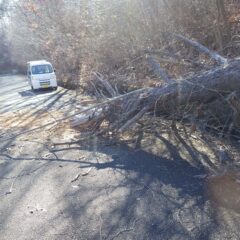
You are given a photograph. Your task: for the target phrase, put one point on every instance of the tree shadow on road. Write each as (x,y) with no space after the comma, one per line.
(129,193)
(134,194)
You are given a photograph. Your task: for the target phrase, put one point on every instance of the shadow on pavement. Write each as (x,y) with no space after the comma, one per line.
(28,93)
(128,194)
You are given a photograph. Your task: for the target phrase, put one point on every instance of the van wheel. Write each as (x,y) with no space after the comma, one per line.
(55,88)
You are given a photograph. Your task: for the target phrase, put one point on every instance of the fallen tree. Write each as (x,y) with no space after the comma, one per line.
(211,96)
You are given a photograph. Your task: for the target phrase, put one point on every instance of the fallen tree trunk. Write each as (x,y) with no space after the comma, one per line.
(204,88)
(173,99)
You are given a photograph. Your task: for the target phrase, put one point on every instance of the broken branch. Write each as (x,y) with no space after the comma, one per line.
(218,58)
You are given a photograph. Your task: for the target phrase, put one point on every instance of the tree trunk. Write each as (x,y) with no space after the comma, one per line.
(224,34)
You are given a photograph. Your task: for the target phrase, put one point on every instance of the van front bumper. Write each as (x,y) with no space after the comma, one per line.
(44,84)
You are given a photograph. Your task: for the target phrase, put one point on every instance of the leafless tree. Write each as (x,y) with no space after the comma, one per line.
(91,42)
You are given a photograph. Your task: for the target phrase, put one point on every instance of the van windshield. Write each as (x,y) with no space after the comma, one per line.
(42,69)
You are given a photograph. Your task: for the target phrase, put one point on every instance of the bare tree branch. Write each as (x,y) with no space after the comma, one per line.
(106,84)
(218,58)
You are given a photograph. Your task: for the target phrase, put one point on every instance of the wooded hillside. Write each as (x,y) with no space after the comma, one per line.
(108,48)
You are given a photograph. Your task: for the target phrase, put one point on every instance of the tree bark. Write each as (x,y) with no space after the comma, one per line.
(222,18)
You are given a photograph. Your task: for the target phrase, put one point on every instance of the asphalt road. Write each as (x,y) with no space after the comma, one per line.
(92,190)
(15,94)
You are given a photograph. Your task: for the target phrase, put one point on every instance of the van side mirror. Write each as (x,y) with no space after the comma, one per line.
(54,70)
(29,73)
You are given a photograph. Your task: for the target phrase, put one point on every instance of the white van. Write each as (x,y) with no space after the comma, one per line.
(41,75)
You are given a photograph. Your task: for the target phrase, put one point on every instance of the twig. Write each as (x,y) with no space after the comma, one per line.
(11,187)
(76,178)
(125,230)
(122,231)
(86,173)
